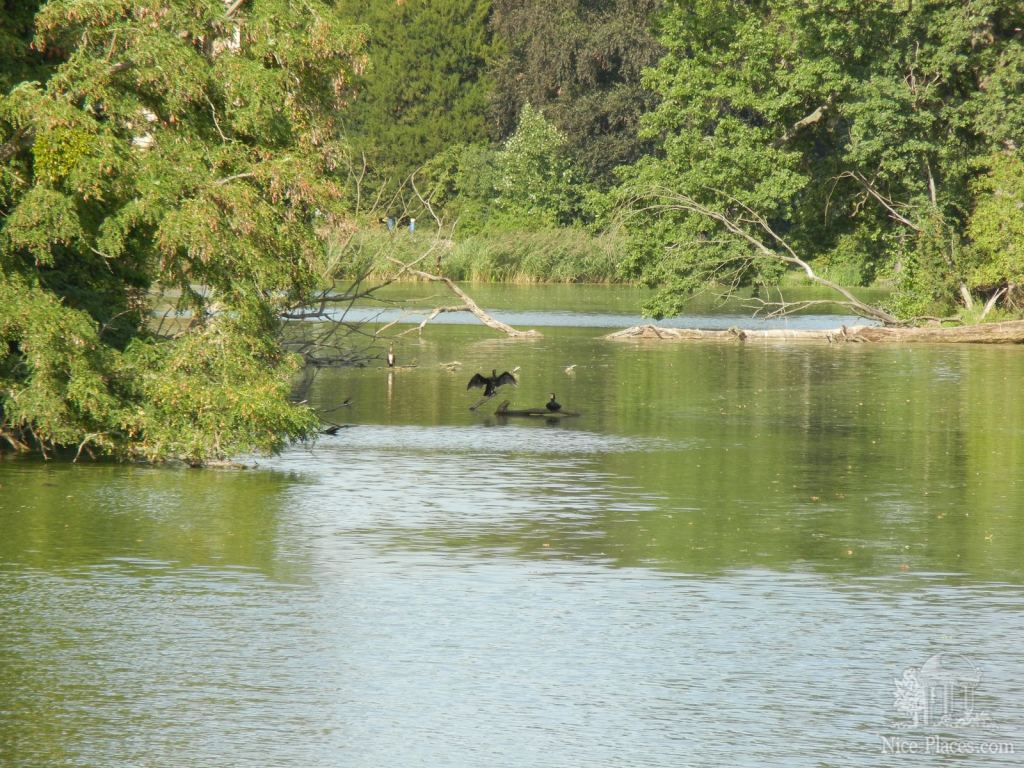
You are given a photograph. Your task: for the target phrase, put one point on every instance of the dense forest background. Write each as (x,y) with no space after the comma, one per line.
(228,159)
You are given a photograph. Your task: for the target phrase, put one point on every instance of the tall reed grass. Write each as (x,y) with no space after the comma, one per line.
(551,256)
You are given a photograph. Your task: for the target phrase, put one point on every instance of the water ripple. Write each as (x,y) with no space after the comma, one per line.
(483,441)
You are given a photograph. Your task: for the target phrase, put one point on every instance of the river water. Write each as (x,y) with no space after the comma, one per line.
(737,555)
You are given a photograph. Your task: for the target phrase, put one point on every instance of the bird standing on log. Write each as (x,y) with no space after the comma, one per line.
(553,405)
(492,382)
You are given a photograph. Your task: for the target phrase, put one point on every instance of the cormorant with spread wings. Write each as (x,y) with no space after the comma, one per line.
(492,382)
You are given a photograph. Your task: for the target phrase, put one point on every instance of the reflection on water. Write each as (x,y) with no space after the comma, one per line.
(555,318)
(726,560)
(601,306)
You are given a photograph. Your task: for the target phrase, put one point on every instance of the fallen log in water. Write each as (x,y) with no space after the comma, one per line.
(1010,332)
(503,410)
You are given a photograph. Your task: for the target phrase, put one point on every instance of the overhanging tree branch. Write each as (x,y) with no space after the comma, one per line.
(887,203)
(674,200)
(468,304)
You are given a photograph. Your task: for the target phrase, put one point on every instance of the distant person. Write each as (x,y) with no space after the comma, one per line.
(391,223)
(412,226)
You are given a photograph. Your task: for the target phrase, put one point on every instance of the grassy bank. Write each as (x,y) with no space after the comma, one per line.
(545,256)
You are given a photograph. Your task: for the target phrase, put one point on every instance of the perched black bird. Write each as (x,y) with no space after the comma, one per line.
(391,356)
(552,404)
(492,382)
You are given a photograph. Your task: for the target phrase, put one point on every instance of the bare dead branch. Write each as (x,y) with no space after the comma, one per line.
(232,7)
(994,298)
(434,313)
(770,310)
(886,202)
(229,179)
(468,302)
(811,119)
(14,442)
(735,225)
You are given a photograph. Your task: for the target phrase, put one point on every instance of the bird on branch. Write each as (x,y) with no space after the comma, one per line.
(491,383)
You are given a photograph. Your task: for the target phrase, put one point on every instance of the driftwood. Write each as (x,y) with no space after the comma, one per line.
(1010,332)
(468,305)
(503,410)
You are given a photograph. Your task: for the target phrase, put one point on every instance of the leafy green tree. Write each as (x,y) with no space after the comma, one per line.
(535,184)
(580,64)
(996,228)
(528,183)
(185,146)
(425,88)
(461,185)
(825,129)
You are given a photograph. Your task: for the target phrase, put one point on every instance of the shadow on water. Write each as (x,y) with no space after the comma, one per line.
(605,306)
(62,516)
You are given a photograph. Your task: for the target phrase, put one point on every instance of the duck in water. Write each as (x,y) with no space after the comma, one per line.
(492,382)
(553,405)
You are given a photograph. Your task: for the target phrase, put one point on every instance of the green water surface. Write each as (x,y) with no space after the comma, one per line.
(726,559)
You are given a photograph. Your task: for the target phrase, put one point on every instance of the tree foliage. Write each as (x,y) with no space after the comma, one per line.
(853,128)
(425,88)
(580,64)
(996,225)
(166,146)
(535,181)
(527,183)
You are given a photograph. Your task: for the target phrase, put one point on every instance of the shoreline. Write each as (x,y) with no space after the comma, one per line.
(1007,332)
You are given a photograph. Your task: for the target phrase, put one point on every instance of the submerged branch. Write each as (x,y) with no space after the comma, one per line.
(770,310)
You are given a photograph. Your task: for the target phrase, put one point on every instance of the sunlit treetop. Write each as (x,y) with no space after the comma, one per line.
(176,144)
